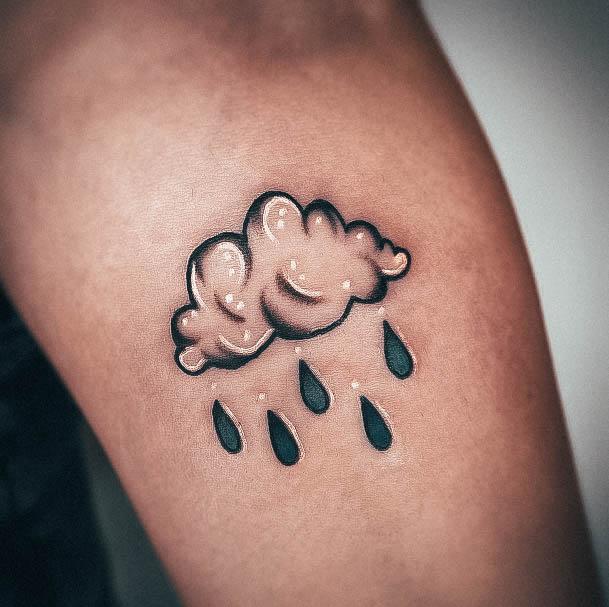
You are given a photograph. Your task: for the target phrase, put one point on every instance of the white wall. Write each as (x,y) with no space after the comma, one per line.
(537,74)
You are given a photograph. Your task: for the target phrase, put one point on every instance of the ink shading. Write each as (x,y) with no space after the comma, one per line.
(283,441)
(313,393)
(398,358)
(226,429)
(376,428)
(292,272)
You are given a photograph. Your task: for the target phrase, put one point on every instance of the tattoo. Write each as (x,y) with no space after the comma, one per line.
(314,393)
(283,440)
(226,428)
(398,358)
(377,429)
(292,273)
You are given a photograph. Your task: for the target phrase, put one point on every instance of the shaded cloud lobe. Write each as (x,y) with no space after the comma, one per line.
(292,273)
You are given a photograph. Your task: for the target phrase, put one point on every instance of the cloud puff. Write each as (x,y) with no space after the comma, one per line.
(292,273)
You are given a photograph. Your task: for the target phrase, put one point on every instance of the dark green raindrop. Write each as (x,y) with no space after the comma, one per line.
(226,429)
(282,440)
(313,393)
(377,431)
(398,358)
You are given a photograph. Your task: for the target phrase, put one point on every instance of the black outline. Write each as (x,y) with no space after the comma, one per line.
(281,330)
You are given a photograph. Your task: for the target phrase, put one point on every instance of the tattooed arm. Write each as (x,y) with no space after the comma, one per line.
(212,332)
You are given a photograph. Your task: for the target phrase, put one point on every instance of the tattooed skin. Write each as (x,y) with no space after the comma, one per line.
(292,273)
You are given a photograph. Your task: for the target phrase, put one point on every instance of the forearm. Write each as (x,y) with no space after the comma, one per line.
(129,150)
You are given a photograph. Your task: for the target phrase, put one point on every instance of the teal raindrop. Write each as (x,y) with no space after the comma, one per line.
(377,431)
(314,394)
(282,440)
(226,429)
(398,358)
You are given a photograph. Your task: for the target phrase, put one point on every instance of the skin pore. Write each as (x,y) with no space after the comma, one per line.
(131,134)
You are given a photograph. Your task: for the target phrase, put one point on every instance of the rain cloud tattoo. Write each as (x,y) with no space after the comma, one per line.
(292,273)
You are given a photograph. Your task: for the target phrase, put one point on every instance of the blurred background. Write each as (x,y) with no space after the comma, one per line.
(537,74)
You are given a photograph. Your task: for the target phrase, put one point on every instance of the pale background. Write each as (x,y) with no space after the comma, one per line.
(537,74)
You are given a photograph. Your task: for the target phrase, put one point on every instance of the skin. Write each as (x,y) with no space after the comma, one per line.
(130,134)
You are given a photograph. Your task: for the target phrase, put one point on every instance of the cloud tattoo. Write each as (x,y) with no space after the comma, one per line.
(292,272)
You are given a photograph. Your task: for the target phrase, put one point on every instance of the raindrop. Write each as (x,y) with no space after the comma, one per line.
(313,392)
(282,440)
(226,429)
(398,358)
(376,428)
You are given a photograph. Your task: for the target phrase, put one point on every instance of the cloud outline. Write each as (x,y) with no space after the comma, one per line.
(240,240)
